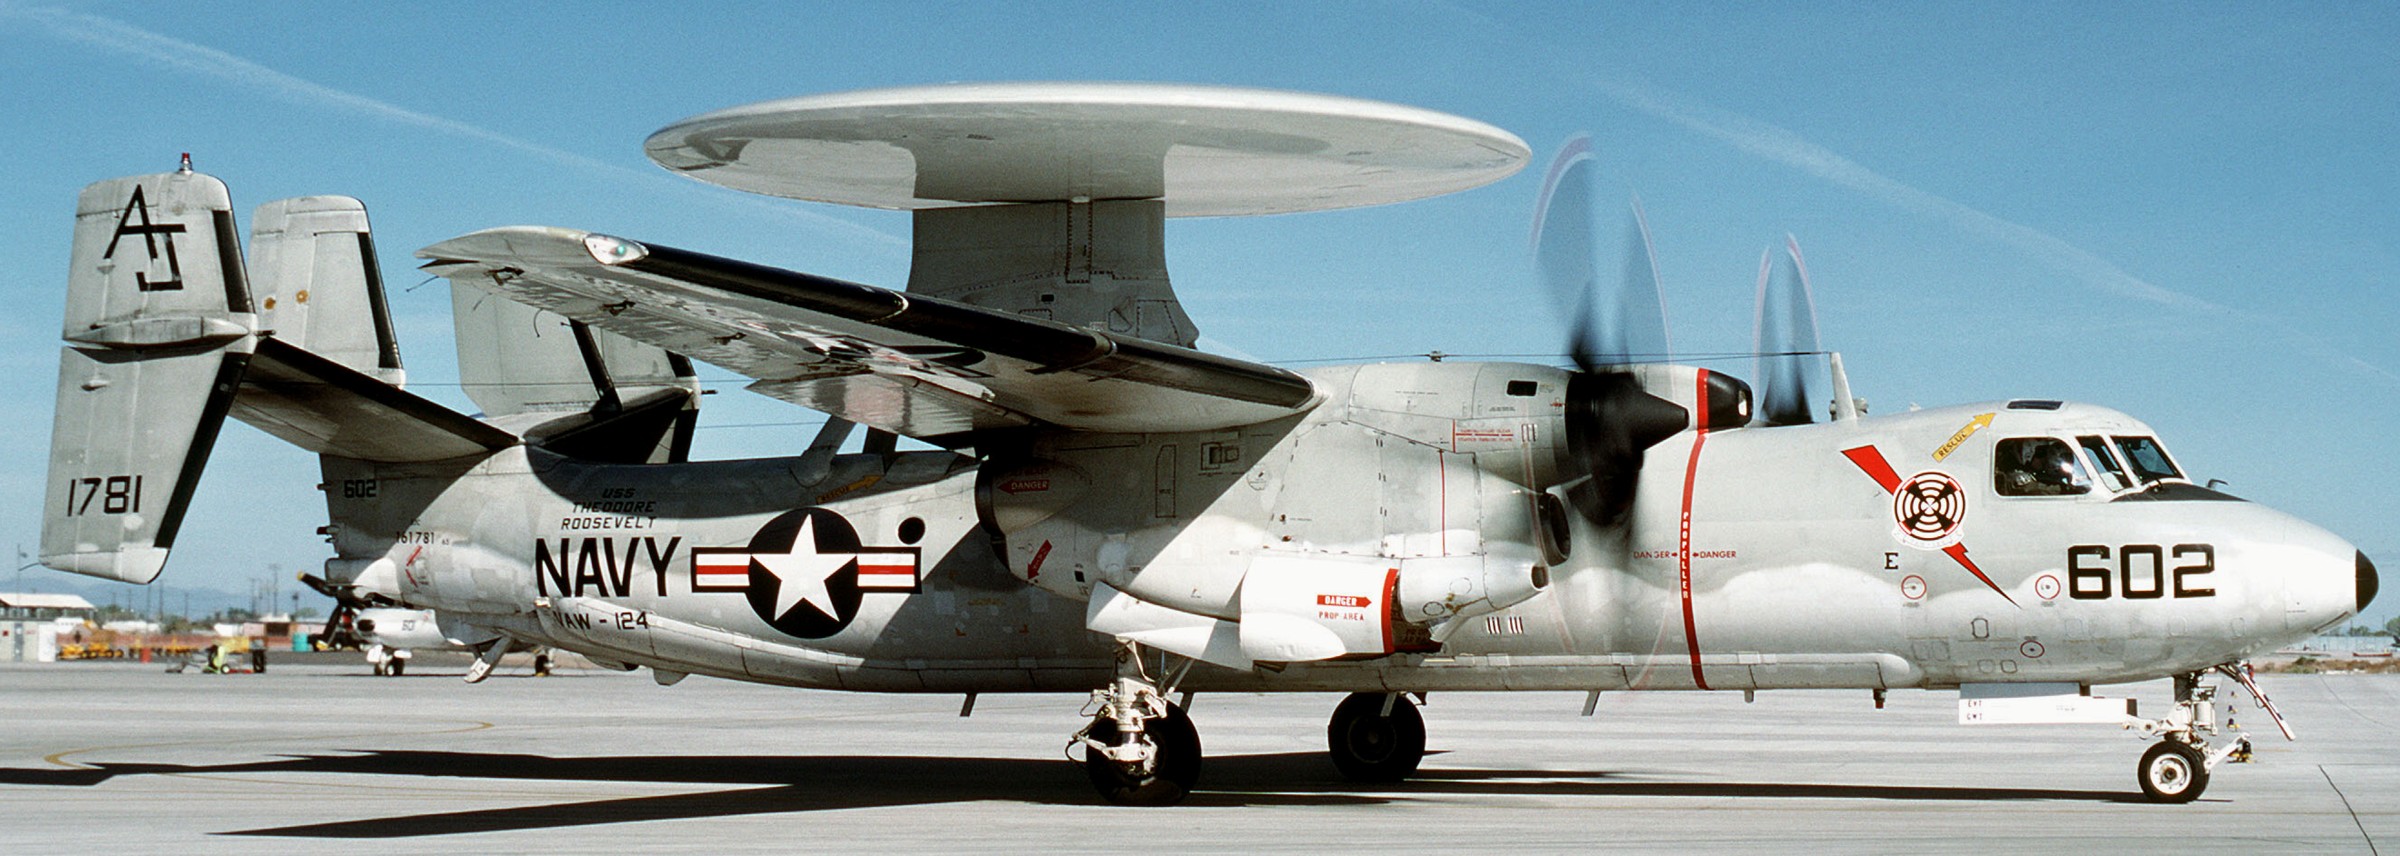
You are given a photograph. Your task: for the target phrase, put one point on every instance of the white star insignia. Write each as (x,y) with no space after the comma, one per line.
(800,575)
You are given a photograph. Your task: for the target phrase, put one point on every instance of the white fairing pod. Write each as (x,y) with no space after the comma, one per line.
(1301,608)
(377,575)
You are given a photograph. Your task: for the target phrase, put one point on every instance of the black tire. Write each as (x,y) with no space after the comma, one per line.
(1370,747)
(395,667)
(2172,772)
(1176,769)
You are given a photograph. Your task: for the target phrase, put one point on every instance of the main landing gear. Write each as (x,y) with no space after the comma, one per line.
(1376,737)
(2176,769)
(1140,749)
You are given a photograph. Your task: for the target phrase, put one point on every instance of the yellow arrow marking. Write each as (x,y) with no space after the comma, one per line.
(1980,422)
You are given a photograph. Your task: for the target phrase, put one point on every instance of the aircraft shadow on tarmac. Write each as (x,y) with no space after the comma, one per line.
(803,783)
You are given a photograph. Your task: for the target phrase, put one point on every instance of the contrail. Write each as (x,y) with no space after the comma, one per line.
(1780,145)
(127,40)
(1783,146)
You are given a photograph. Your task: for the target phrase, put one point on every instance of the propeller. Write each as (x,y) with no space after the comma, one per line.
(1610,420)
(1784,334)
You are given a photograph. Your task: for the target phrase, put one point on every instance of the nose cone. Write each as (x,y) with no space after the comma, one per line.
(2366,581)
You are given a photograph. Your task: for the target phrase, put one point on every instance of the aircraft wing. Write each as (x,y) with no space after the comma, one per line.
(907,363)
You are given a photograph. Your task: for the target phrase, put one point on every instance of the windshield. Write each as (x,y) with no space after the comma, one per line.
(2111,472)
(2037,466)
(2149,462)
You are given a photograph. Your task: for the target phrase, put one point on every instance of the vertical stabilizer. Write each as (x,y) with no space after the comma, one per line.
(313,265)
(631,402)
(159,329)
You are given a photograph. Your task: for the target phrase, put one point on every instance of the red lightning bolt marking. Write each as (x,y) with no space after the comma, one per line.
(1869,459)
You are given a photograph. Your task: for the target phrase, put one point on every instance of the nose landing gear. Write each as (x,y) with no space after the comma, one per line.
(2176,769)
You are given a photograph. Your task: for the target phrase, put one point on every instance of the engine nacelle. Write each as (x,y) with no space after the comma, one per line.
(1438,589)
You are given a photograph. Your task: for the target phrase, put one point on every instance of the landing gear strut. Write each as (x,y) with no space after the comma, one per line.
(2176,769)
(1376,737)
(1140,749)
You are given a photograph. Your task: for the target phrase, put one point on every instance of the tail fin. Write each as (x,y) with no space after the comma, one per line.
(163,344)
(318,283)
(159,327)
(326,373)
(606,397)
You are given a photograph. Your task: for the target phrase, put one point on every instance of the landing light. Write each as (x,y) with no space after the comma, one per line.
(611,250)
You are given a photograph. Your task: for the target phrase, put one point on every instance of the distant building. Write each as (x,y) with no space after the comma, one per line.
(30,623)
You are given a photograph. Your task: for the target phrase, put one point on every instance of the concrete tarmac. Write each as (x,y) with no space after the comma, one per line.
(319,758)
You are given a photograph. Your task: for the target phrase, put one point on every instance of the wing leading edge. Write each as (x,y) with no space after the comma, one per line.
(908,363)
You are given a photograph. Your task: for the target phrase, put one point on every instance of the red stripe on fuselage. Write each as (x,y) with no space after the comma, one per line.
(1683,541)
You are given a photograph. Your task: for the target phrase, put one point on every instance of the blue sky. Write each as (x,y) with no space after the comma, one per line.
(2183,211)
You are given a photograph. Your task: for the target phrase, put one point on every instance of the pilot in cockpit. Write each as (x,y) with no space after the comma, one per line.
(2037,466)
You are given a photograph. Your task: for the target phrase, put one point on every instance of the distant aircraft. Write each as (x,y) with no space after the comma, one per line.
(391,635)
(1106,509)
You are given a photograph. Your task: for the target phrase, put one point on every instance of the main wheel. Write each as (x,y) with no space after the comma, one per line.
(1371,747)
(2172,772)
(396,666)
(1173,771)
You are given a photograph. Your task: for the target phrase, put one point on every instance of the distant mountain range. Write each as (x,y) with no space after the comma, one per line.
(163,596)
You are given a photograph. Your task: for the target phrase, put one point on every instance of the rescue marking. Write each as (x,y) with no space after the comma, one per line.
(1033,569)
(1980,422)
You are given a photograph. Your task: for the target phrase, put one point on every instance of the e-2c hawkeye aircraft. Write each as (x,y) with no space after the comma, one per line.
(1103,508)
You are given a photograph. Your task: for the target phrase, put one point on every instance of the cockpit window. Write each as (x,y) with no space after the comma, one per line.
(2112,474)
(2037,466)
(2148,460)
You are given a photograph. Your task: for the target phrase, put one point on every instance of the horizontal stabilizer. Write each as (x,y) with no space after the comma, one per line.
(332,409)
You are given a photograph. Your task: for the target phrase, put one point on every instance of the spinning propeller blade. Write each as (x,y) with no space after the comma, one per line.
(1610,419)
(1784,334)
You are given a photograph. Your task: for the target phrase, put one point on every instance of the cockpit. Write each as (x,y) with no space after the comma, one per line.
(2115,465)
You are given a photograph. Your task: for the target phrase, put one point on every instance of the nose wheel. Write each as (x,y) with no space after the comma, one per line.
(2176,769)
(2173,772)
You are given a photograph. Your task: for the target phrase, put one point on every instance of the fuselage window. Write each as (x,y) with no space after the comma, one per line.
(2147,459)
(2111,473)
(2037,466)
